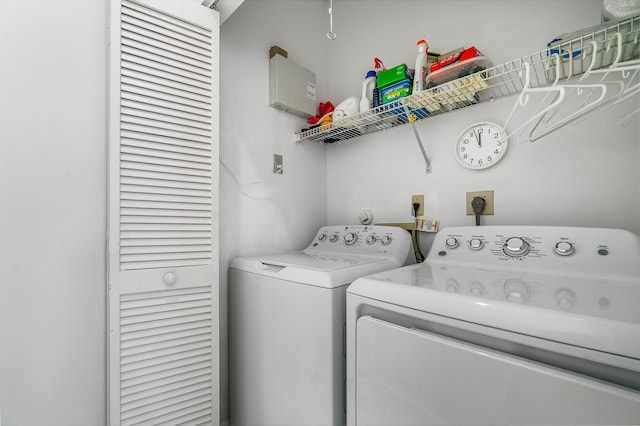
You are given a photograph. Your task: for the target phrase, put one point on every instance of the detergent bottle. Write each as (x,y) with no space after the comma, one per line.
(368,85)
(420,73)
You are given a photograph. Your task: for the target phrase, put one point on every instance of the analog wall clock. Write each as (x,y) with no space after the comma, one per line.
(481,145)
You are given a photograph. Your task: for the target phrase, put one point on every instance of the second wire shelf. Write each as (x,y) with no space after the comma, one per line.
(493,83)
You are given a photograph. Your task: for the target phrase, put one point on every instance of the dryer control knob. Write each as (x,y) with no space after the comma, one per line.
(333,238)
(350,239)
(386,240)
(516,247)
(477,289)
(516,291)
(322,237)
(451,242)
(370,239)
(475,244)
(452,286)
(565,299)
(564,248)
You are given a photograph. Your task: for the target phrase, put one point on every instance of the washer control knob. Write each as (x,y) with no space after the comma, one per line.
(350,238)
(475,244)
(322,237)
(452,286)
(333,238)
(386,240)
(370,239)
(517,247)
(565,299)
(477,289)
(451,242)
(564,248)
(516,291)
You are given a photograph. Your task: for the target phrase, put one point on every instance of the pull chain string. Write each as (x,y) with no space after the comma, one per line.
(331,35)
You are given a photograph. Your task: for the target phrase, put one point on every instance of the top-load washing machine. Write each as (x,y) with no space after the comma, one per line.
(500,325)
(287,324)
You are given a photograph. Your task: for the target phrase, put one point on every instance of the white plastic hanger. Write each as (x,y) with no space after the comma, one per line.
(558,62)
(523,99)
(624,69)
(587,107)
(582,111)
(630,89)
(624,119)
(594,49)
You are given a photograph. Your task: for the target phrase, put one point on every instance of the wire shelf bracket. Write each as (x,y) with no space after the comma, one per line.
(412,119)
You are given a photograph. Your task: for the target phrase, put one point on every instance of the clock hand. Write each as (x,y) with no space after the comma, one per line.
(480,138)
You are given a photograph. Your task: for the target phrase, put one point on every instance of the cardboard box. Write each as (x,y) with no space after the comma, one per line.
(393,75)
(276,50)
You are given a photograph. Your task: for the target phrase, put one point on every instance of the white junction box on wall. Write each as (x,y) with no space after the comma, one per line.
(292,88)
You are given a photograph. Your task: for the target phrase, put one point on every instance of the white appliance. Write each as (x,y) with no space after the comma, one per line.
(287,322)
(500,325)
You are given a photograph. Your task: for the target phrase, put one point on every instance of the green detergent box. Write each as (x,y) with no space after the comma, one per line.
(395,91)
(393,75)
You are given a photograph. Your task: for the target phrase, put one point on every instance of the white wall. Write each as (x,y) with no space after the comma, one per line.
(260,212)
(53,171)
(52,212)
(581,175)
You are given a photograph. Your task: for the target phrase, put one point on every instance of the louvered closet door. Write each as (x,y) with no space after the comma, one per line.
(163,231)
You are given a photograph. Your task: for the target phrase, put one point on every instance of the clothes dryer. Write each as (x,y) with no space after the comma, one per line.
(287,324)
(500,325)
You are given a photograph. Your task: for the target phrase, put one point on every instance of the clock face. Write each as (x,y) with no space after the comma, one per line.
(481,145)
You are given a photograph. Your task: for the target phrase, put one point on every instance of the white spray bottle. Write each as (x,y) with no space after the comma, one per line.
(378,66)
(420,73)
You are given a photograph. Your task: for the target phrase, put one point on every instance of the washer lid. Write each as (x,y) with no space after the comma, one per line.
(319,268)
(317,260)
(599,314)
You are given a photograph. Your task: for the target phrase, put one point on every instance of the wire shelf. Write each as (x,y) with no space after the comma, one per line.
(496,82)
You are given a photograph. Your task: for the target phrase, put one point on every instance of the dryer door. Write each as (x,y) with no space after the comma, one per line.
(410,377)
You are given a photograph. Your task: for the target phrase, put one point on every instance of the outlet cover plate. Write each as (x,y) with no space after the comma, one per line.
(278,168)
(420,200)
(488,197)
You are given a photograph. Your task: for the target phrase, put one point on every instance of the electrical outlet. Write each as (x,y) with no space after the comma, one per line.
(420,200)
(278,168)
(488,197)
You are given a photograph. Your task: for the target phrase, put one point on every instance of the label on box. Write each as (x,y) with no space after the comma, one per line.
(395,91)
(426,224)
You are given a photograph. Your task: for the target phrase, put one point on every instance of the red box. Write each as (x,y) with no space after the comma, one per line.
(469,53)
